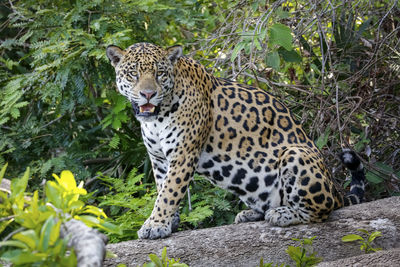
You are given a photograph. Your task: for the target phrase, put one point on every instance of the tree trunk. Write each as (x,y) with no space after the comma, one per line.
(244,244)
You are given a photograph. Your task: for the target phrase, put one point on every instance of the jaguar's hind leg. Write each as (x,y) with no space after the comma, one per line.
(248,216)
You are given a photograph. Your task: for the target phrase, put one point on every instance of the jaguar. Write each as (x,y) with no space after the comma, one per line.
(239,137)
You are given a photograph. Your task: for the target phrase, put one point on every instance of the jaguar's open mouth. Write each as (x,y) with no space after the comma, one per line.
(145,110)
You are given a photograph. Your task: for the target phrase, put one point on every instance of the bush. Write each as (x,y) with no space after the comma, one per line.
(30,226)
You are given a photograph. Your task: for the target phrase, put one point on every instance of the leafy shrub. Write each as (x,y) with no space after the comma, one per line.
(365,242)
(209,206)
(129,202)
(30,227)
(164,261)
(303,255)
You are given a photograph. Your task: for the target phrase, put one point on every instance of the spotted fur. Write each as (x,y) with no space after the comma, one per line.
(239,137)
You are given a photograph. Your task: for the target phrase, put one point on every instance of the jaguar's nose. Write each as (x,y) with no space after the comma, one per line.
(148,94)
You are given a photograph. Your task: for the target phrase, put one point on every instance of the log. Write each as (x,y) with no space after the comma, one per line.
(386,258)
(89,244)
(244,244)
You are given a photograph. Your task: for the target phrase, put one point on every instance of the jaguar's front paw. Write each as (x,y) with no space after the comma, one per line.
(248,216)
(282,216)
(154,230)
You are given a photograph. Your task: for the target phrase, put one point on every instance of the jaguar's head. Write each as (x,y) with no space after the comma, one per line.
(145,75)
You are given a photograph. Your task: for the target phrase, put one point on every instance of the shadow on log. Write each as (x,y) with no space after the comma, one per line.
(244,244)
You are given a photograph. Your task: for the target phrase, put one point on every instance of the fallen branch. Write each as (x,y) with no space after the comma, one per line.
(244,244)
(89,244)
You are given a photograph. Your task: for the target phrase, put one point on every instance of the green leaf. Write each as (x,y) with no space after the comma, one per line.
(15,112)
(2,172)
(14,243)
(273,60)
(290,56)
(4,224)
(110,255)
(363,27)
(29,237)
(53,194)
(374,235)
(384,167)
(373,178)
(323,139)
(237,50)
(295,253)
(48,234)
(114,141)
(75,205)
(88,220)
(116,123)
(198,214)
(19,257)
(346,184)
(280,35)
(95,211)
(351,237)
(363,231)
(111,228)
(154,258)
(18,186)
(164,255)
(308,241)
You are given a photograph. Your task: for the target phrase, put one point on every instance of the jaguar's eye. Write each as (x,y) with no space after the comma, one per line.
(160,73)
(133,74)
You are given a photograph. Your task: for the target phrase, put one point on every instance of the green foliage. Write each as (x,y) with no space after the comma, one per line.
(365,242)
(210,205)
(33,224)
(280,35)
(129,202)
(323,139)
(279,39)
(303,255)
(42,247)
(164,261)
(58,105)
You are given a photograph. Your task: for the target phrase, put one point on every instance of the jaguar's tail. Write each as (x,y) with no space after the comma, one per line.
(353,163)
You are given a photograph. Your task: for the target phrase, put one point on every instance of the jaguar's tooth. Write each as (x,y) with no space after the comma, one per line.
(153,109)
(141,109)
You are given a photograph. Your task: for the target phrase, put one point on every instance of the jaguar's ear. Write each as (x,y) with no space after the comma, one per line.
(174,52)
(114,54)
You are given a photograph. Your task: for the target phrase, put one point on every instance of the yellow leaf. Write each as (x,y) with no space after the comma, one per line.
(68,180)
(80,191)
(57,178)
(68,183)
